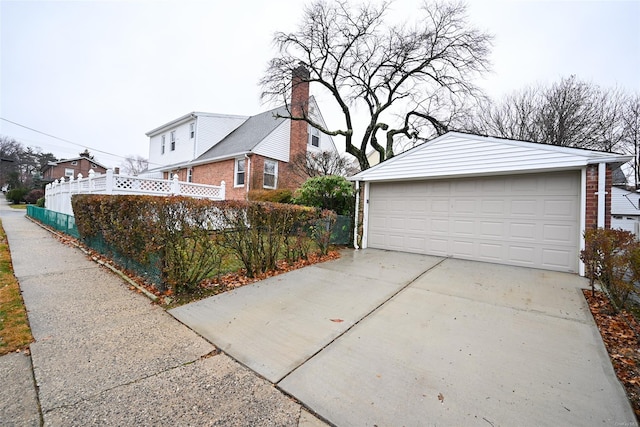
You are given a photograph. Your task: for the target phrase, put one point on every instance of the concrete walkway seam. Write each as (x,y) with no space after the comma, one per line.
(373,310)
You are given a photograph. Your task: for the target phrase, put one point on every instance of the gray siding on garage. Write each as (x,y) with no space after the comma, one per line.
(527,220)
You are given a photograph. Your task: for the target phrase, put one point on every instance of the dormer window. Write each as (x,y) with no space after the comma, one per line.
(314,137)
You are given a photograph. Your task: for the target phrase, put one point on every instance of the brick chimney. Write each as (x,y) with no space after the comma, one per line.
(299,128)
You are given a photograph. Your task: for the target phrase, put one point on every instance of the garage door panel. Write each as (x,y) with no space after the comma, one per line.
(439,226)
(492,229)
(555,258)
(558,233)
(437,246)
(417,225)
(560,209)
(463,227)
(523,208)
(529,220)
(439,206)
(522,231)
(396,223)
(490,252)
(492,207)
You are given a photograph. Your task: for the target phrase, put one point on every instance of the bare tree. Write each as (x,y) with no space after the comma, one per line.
(134,165)
(310,164)
(631,124)
(409,71)
(570,113)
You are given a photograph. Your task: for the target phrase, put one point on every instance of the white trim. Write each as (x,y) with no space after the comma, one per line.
(583,218)
(355,221)
(247,169)
(365,215)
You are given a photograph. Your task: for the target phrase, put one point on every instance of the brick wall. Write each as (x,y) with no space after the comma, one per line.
(215,173)
(591,220)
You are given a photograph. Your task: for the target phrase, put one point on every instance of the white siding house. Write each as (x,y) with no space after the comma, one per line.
(625,209)
(187,137)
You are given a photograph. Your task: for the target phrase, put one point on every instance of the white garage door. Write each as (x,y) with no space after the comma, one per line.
(526,220)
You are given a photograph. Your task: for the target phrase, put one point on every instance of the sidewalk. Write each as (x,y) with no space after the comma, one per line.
(104,355)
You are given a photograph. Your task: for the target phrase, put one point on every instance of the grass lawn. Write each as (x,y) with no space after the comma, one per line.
(21,206)
(15,333)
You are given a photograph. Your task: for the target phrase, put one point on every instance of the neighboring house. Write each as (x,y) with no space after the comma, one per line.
(488,199)
(71,168)
(625,210)
(246,152)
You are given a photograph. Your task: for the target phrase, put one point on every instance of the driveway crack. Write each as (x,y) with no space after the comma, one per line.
(373,310)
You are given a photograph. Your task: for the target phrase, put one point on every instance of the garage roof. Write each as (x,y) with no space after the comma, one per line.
(457,154)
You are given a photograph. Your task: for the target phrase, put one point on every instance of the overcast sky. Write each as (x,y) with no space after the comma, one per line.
(101,74)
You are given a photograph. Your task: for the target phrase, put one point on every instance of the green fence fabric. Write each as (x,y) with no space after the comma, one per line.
(56,220)
(342,232)
(67,224)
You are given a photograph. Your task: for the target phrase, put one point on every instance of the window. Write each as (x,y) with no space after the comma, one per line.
(69,172)
(189,175)
(192,130)
(239,180)
(314,137)
(173,140)
(162,144)
(74,163)
(270,174)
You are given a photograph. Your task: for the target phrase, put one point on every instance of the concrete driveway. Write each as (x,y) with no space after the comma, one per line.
(387,338)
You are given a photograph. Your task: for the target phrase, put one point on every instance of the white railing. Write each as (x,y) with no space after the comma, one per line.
(58,193)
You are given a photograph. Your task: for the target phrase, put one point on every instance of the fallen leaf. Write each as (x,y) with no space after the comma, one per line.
(441,398)
(337,320)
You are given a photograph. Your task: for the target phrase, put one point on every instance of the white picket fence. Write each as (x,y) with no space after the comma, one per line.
(58,193)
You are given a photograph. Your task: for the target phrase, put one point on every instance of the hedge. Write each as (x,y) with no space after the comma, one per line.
(187,237)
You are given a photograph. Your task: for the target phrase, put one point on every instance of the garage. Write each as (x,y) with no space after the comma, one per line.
(487,199)
(526,220)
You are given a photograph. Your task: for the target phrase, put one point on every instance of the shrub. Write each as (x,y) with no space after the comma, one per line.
(33,196)
(612,257)
(178,230)
(40,202)
(16,195)
(327,192)
(275,196)
(259,232)
(187,237)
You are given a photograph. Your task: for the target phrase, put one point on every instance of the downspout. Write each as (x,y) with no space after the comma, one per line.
(365,215)
(195,136)
(602,193)
(248,173)
(355,220)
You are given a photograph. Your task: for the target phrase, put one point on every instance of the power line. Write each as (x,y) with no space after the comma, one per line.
(62,139)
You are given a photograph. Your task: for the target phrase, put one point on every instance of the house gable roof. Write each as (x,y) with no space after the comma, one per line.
(63,161)
(457,154)
(245,137)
